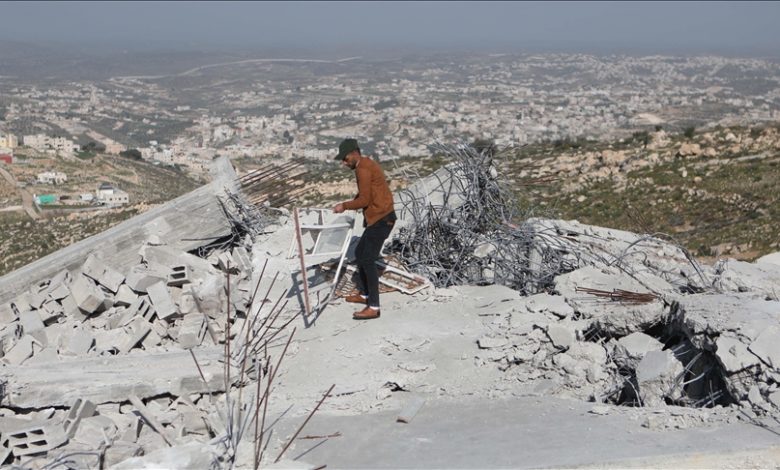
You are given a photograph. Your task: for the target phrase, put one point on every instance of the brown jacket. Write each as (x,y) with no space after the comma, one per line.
(374,195)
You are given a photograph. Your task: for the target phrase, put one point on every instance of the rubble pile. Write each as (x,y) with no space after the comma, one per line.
(613,316)
(102,366)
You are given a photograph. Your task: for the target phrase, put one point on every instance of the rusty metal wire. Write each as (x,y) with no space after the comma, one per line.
(620,295)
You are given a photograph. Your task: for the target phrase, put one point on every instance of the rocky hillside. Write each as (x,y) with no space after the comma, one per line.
(713,191)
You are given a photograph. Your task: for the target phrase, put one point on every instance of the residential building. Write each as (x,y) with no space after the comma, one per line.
(52,177)
(108,195)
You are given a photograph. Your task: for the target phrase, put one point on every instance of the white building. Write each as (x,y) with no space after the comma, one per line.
(52,177)
(108,195)
(43,143)
(8,141)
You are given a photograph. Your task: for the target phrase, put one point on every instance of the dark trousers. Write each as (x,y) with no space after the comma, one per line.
(367,252)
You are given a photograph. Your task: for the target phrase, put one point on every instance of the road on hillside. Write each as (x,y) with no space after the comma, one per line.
(27,199)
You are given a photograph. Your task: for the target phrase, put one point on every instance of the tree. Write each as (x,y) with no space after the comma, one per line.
(134,154)
(688,132)
(486,146)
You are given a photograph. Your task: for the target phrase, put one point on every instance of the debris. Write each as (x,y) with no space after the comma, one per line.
(411,409)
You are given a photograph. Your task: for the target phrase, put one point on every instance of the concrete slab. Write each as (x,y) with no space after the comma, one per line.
(522,432)
(30,321)
(112,379)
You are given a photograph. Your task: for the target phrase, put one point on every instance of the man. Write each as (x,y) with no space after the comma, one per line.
(376,200)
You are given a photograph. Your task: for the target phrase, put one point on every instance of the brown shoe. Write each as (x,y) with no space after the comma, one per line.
(367,313)
(356,299)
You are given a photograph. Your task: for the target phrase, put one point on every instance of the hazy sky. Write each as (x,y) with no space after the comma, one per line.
(662,26)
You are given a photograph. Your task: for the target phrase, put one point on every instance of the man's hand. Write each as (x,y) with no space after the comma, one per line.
(338,208)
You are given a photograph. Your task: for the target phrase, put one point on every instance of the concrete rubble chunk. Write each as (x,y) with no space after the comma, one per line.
(79,342)
(95,431)
(162,301)
(561,336)
(189,455)
(124,296)
(141,307)
(7,314)
(487,342)
(629,350)
(104,275)
(555,304)
(657,375)
(767,347)
(20,352)
(141,277)
(70,308)
(242,259)
(772,258)
(59,292)
(137,331)
(734,355)
(30,321)
(79,410)
(192,331)
(50,311)
(88,297)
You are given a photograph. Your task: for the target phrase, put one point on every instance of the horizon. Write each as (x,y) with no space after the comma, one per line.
(713,28)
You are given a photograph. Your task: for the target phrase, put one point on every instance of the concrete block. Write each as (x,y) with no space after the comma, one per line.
(137,331)
(179,276)
(188,301)
(110,340)
(87,296)
(7,314)
(47,355)
(192,331)
(70,308)
(104,275)
(59,292)
(50,311)
(79,342)
(151,340)
(211,298)
(242,259)
(37,439)
(22,302)
(161,299)
(30,321)
(20,352)
(225,262)
(124,296)
(140,278)
(141,307)
(37,299)
(79,410)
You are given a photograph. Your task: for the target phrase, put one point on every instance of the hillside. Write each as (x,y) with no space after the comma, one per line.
(23,240)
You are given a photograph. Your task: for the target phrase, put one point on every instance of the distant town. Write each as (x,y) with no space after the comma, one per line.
(396,108)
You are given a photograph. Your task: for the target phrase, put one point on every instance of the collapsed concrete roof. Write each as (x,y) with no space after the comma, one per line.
(623,319)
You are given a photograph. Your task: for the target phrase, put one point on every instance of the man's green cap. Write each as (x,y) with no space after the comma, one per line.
(346,147)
